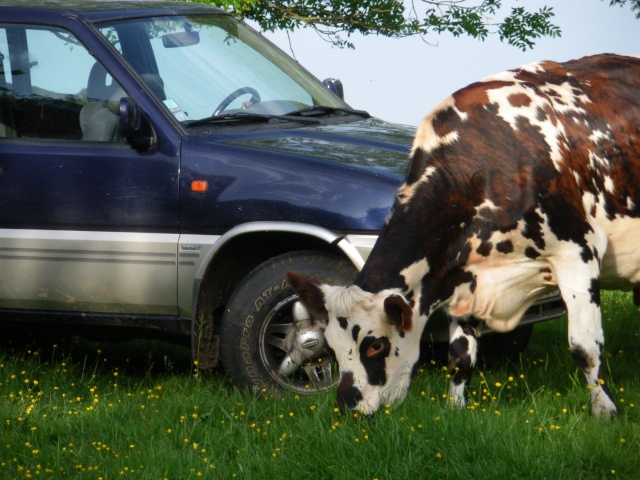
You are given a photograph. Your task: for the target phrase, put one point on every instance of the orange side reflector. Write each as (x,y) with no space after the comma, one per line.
(199,186)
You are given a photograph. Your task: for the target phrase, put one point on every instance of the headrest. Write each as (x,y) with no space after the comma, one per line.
(113,104)
(154,82)
(97,87)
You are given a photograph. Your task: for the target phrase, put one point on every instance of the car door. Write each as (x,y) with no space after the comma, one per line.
(86,222)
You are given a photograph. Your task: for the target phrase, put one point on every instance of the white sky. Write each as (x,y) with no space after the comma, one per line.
(400,80)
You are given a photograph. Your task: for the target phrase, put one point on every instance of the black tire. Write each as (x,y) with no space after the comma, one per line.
(259,319)
(495,348)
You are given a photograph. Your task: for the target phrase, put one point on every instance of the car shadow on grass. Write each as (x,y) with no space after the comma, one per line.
(136,357)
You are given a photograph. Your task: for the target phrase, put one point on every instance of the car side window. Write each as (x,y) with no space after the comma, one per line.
(52,88)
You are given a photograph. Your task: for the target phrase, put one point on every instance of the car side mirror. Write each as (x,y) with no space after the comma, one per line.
(335,86)
(133,126)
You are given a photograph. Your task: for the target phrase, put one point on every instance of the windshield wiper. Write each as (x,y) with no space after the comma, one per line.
(250,117)
(303,115)
(321,110)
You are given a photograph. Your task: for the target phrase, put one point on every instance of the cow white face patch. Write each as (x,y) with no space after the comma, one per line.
(368,334)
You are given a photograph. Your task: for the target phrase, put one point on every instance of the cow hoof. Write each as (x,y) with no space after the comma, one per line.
(604,412)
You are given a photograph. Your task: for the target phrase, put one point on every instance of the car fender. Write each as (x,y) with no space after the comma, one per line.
(201,251)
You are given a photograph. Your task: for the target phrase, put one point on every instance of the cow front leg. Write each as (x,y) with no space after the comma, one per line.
(580,288)
(463,349)
(586,341)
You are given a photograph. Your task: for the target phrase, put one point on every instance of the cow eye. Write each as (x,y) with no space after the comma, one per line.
(375,348)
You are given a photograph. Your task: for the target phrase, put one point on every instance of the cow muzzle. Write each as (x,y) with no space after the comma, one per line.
(348,394)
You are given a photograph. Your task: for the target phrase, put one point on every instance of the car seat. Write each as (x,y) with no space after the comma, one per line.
(96,121)
(99,118)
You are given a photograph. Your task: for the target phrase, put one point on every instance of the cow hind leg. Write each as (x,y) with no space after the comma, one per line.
(463,348)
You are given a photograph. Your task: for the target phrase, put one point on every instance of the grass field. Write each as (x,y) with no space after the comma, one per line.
(141,410)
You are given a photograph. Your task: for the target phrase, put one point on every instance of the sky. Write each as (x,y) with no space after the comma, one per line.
(401,80)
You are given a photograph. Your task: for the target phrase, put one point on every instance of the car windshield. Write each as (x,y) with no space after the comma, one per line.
(211,65)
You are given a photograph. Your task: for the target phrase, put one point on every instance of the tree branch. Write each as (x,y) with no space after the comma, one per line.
(336,19)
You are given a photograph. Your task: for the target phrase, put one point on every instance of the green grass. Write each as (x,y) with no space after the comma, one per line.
(140,410)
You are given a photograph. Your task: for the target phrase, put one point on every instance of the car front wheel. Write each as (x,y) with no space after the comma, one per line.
(267,338)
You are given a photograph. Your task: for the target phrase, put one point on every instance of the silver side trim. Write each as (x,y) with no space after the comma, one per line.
(125,272)
(84,271)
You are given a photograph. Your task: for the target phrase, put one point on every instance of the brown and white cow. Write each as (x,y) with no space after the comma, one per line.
(519,184)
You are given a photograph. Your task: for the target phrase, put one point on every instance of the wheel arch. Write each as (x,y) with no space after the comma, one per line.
(237,253)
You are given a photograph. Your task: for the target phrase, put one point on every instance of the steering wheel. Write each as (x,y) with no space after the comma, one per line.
(255,98)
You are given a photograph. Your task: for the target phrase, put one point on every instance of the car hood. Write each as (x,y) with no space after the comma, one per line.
(371,144)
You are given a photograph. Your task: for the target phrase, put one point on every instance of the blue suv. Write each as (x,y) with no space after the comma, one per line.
(162,166)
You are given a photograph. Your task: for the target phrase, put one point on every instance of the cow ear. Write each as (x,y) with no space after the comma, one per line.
(310,295)
(398,312)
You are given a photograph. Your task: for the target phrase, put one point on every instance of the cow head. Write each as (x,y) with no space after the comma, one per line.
(370,335)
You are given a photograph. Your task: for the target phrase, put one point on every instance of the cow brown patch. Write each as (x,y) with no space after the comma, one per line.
(485,248)
(475,94)
(519,100)
(531,252)
(506,246)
